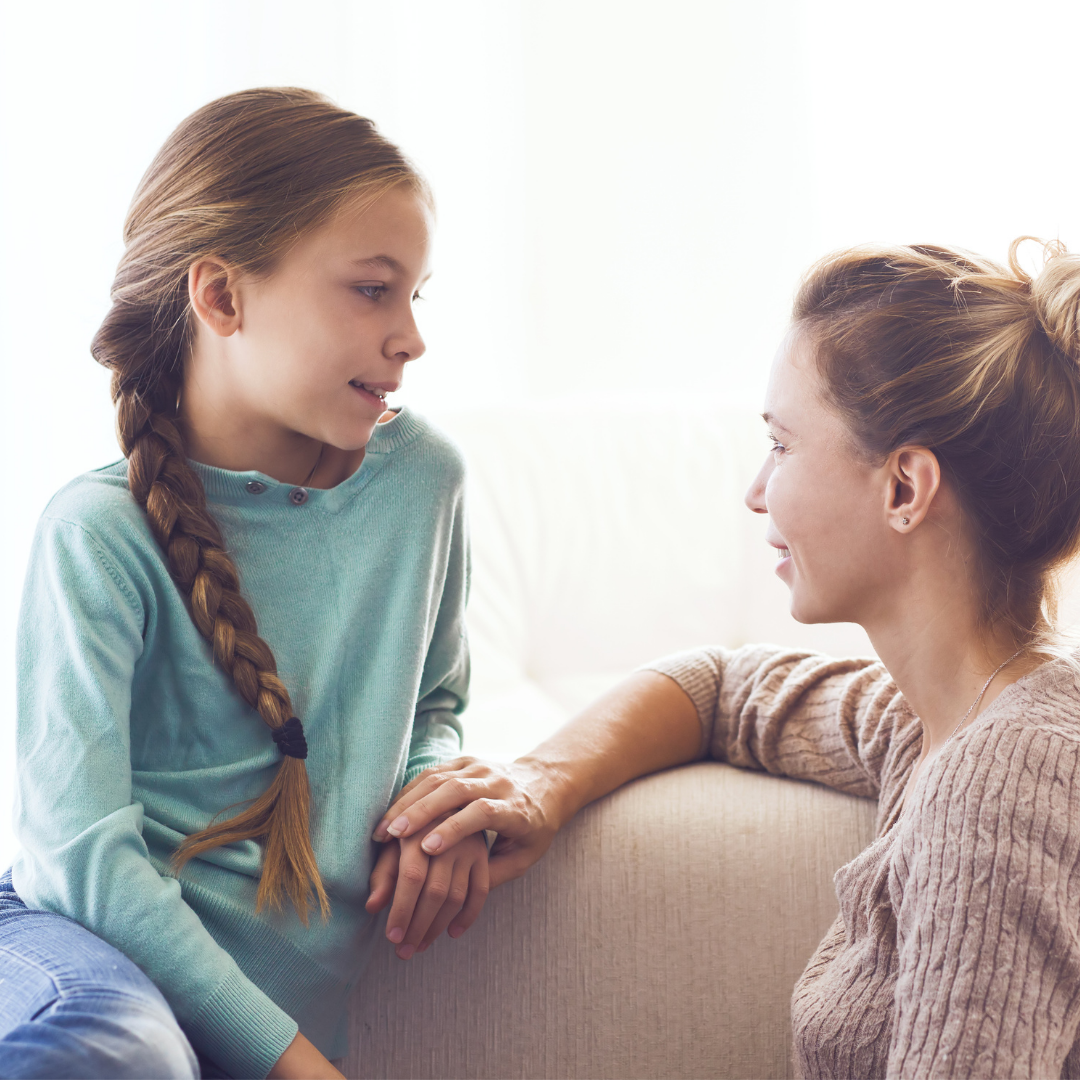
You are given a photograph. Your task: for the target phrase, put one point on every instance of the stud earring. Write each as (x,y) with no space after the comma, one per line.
(905,521)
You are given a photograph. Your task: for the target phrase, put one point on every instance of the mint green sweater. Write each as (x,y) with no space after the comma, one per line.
(130,737)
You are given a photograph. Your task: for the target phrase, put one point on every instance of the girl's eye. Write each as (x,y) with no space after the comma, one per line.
(372,292)
(777,446)
(417,296)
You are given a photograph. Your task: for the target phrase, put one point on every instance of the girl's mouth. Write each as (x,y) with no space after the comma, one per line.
(368,388)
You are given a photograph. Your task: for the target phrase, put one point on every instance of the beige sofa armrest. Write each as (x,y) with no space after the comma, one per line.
(660,937)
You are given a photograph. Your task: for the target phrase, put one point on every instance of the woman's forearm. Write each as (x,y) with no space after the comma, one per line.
(645,724)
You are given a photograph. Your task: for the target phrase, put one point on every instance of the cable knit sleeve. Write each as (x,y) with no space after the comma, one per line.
(841,723)
(986,885)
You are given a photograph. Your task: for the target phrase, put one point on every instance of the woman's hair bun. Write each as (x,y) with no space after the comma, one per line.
(1055,292)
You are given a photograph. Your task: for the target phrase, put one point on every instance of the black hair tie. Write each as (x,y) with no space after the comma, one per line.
(290,738)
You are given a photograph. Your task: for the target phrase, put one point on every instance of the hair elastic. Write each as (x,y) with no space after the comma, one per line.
(290,738)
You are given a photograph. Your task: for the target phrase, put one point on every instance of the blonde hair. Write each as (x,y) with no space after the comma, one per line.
(980,364)
(239,180)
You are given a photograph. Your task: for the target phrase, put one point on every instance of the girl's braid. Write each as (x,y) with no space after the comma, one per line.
(164,484)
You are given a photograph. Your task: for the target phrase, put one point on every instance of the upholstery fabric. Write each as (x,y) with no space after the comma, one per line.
(627,951)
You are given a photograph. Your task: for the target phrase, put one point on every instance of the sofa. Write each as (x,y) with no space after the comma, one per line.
(663,933)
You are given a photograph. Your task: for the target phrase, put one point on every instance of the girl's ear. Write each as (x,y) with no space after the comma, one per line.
(212,292)
(914,477)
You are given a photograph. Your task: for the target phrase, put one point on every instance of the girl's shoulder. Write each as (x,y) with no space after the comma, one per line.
(100,503)
(417,442)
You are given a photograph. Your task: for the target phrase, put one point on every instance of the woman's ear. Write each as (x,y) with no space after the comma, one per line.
(914,477)
(212,292)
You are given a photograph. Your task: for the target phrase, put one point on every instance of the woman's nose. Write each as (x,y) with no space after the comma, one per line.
(755,495)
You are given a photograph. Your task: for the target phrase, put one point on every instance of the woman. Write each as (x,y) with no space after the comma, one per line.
(924,482)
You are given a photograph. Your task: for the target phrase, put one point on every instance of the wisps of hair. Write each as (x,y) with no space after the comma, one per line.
(979,363)
(239,180)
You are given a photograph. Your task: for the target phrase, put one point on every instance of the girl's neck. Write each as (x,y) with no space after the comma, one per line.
(235,439)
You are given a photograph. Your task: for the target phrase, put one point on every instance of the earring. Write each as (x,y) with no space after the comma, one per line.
(904,521)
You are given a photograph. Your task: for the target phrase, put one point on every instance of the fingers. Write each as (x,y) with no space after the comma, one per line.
(435,894)
(479,815)
(411,878)
(455,900)
(479,885)
(383,878)
(435,792)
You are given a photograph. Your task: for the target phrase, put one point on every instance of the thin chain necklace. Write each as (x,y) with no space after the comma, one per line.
(322,447)
(986,686)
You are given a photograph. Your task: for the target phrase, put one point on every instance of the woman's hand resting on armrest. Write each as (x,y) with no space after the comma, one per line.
(645,724)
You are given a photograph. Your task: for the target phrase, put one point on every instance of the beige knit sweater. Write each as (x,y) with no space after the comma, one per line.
(957,948)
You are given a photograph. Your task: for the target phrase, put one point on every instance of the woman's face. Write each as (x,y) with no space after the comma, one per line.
(827,507)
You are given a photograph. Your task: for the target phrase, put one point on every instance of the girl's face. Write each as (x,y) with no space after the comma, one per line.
(321,340)
(827,506)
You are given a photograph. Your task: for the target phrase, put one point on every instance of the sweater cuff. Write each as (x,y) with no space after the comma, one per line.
(699,675)
(241,1029)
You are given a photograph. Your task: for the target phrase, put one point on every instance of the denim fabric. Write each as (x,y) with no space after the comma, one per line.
(72,1006)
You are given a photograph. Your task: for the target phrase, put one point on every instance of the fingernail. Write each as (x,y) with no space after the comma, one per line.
(405,951)
(396,934)
(432,843)
(398,826)
(424,947)
(380,831)
(456,931)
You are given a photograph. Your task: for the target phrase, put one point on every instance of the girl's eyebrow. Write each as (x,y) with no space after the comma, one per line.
(384,261)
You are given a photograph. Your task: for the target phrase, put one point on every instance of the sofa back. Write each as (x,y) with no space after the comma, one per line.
(603,538)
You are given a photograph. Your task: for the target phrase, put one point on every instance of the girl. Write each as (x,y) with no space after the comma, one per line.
(924,481)
(237,643)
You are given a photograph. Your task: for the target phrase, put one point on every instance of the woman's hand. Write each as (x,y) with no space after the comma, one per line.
(301,1061)
(520,802)
(430,893)
(644,724)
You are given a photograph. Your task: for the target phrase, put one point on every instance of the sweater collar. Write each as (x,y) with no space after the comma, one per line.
(253,489)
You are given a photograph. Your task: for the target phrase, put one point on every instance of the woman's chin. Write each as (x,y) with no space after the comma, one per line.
(808,612)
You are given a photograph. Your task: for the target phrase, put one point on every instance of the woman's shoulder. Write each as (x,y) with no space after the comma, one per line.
(1045,703)
(1021,754)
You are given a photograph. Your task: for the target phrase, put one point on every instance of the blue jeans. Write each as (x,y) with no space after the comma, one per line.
(73,1006)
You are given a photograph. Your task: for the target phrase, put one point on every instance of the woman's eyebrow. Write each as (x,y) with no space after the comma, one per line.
(771,420)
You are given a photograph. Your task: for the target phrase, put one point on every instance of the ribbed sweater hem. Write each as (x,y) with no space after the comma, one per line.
(241,1029)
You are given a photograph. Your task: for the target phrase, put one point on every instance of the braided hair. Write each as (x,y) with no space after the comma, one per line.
(238,180)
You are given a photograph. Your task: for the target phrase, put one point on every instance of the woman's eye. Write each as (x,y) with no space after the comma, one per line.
(416,296)
(777,446)
(372,292)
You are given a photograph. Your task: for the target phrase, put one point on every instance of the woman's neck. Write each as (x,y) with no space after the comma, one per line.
(941,658)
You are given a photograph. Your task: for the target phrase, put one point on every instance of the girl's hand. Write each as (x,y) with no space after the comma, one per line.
(301,1061)
(430,893)
(522,802)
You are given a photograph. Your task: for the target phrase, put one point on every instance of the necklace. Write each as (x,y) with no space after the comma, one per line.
(322,447)
(986,685)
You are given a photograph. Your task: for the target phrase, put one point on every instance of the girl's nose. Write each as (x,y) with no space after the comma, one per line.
(755,495)
(406,343)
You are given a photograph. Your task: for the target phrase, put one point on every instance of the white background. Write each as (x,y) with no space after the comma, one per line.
(627,191)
